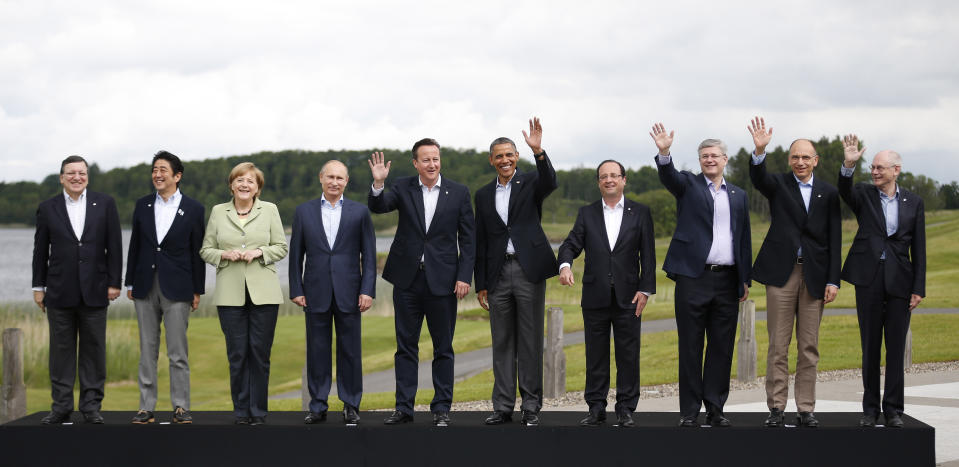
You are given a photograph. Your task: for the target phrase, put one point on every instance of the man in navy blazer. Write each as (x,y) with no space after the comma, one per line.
(77,268)
(620,274)
(427,272)
(333,277)
(513,261)
(165,278)
(887,264)
(799,264)
(709,257)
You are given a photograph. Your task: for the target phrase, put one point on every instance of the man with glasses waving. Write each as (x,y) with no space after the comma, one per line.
(887,264)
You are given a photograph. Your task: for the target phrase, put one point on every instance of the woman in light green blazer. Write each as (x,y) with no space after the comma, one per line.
(244,240)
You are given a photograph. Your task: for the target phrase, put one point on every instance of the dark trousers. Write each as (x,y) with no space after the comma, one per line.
(516,312)
(67,359)
(319,357)
(881,314)
(707,306)
(626,337)
(411,305)
(249,339)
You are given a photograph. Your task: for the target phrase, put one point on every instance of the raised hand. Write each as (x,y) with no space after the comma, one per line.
(379,169)
(851,151)
(663,140)
(535,137)
(761,137)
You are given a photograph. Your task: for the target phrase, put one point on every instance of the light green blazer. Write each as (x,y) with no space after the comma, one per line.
(263,230)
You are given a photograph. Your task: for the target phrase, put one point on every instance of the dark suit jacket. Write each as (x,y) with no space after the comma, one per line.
(176,260)
(631,264)
(344,271)
(905,250)
(818,232)
(523,226)
(694,225)
(77,271)
(452,223)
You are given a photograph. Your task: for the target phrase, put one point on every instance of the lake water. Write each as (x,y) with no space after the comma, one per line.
(16,271)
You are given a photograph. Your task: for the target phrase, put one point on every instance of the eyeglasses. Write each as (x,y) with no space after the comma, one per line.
(711,156)
(605,177)
(881,167)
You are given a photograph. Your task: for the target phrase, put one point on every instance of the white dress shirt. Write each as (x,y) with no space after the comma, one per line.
(77,211)
(502,207)
(164,212)
(331,217)
(721,251)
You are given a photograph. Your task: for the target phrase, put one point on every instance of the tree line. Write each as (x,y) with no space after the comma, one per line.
(291,179)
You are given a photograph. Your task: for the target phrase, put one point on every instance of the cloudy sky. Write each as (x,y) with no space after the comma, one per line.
(116,81)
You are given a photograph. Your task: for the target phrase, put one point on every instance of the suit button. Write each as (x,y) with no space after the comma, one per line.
(80,244)
(81,261)
(243,246)
(153,266)
(158,248)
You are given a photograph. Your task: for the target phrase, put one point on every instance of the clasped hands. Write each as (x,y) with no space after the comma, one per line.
(238,255)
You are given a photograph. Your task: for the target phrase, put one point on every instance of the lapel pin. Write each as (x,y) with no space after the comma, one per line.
(447,192)
(94,204)
(517,182)
(149,205)
(180,211)
(819,196)
(733,192)
(904,200)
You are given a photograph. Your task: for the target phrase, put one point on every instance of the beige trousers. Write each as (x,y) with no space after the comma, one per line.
(785,305)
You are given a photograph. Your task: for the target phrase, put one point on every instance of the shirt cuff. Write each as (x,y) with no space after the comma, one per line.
(645,293)
(846,171)
(564,265)
(834,285)
(664,160)
(758,158)
(130,288)
(377,191)
(39,289)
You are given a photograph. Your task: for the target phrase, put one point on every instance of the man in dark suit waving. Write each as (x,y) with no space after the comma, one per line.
(620,274)
(77,269)
(513,261)
(709,258)
(887,264)
(799,263)
(334,237)
(165,278)
(427,272)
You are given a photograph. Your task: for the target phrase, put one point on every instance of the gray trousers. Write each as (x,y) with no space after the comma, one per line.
(516,313)
(175,316)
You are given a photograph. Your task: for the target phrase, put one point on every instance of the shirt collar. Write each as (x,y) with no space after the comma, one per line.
(801,183)
(619,204)
(173,198)
(498,184)
(883,195)
(709,183)
(439,181)
(82,198)
(324,202)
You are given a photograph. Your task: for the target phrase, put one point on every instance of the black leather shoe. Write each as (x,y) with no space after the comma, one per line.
(93,417)
(314,417)
(593,419)
(775,419)
(689,421)
(530,418)
(893,421)
(717,419)
(257,420)
(351,416)
(397,418)
(868,421)
(143,417)
(55,418)
(499,418)
(182,416)
(242,421)
(807,420)
(625,420)
(441,419)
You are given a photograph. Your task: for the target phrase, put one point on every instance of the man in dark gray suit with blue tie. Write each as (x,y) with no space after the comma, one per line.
(710,258)
(333,277)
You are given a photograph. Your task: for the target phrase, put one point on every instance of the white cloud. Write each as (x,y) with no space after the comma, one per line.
(118,80)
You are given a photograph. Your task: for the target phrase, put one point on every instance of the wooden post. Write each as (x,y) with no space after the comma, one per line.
(305,390)
(554,368)
(13,394)
(746,356)
(907,355)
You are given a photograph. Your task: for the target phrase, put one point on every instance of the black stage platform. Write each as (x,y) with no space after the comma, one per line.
(285,440)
